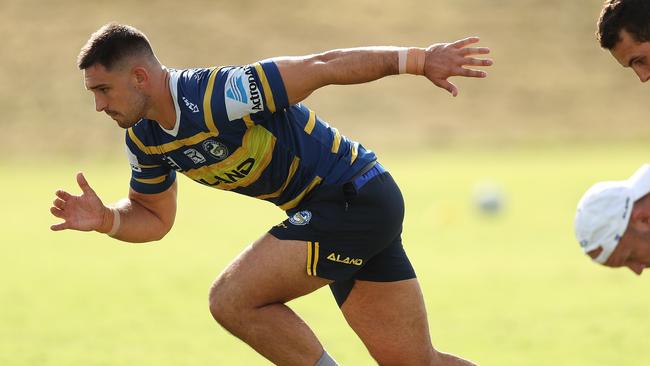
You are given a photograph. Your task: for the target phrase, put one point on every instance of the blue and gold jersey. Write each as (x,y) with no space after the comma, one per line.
(236,131)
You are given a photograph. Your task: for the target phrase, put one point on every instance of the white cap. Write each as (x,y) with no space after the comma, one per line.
(605,209)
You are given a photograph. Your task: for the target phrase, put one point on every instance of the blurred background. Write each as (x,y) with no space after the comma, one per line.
(504,286)
(550,81)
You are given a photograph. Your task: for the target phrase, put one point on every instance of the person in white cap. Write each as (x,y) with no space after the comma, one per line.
(612,222)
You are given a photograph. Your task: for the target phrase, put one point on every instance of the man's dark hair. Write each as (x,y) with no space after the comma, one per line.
(111,44)
(632,16)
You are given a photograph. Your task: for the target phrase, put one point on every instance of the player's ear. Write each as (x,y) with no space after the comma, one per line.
(140,75)
(640,218)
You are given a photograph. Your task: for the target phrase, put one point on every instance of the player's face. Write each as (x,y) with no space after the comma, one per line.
(116,94)
(633,252)
(636,55)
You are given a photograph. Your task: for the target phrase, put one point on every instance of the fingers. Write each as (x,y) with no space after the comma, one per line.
(83,184)
(59,203)
(63,194)
(57,212)
(448,86)
(465,52)
(477,61)
(465,42)
(63,198)
(474,51)
(468,51)
(471,73)
(59,227)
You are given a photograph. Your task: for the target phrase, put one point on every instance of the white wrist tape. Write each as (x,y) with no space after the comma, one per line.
(116,222)
(411,60)
(402,55)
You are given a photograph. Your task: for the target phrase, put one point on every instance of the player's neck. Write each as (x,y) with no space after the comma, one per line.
(162,108)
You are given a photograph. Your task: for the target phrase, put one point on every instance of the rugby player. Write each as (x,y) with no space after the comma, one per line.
(244,129)
(624,30)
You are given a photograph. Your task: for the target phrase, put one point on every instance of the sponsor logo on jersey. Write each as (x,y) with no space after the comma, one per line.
(242,93)
(191,106)
(347,260)
(216,149)
(195,155)
(300,218)
(234,175)
(235,90)
(253,90)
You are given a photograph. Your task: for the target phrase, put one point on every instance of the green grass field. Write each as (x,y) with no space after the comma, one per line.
(512,289)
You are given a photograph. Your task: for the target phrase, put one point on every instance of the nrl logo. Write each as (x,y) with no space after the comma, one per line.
(216,149)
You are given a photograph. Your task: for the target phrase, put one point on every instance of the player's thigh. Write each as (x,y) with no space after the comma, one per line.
(268,271)
(391,320)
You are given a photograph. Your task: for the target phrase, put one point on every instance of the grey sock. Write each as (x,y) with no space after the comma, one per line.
(326,360)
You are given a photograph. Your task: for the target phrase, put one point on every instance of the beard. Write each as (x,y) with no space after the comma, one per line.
(138,105)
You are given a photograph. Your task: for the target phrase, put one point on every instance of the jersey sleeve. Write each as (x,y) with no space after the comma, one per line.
(149,174)
(251,89)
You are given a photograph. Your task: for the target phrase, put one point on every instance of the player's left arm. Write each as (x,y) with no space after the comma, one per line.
(302,75)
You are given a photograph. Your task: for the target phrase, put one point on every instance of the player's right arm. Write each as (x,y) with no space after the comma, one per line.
(142,217)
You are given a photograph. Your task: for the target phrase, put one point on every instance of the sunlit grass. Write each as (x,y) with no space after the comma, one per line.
(508,289)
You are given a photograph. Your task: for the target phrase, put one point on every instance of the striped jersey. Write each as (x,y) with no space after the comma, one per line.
(236,131)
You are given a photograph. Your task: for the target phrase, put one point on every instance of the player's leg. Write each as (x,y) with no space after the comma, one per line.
(391,320)
(383,303)
(248,300)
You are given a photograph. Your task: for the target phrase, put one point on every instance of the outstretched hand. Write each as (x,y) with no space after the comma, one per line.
(444,60)
(85,212)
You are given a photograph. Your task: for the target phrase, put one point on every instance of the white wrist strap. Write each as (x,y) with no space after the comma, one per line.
(116,222)
(402,55)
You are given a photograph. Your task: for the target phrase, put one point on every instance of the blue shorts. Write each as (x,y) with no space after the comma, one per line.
(353,231)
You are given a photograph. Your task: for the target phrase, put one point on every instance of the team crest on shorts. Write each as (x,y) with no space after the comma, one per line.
(300,218)
(216,149)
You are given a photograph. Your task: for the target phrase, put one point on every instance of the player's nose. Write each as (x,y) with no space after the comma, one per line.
(643,74)
(100,104)
(636,267)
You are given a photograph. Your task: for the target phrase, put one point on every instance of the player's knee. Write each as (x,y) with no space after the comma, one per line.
(222,305)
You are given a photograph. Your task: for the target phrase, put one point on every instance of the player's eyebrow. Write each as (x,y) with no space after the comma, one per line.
(634,59)
(96,86)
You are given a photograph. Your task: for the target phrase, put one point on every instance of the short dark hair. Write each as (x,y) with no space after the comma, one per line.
(111,44)
(632,16)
